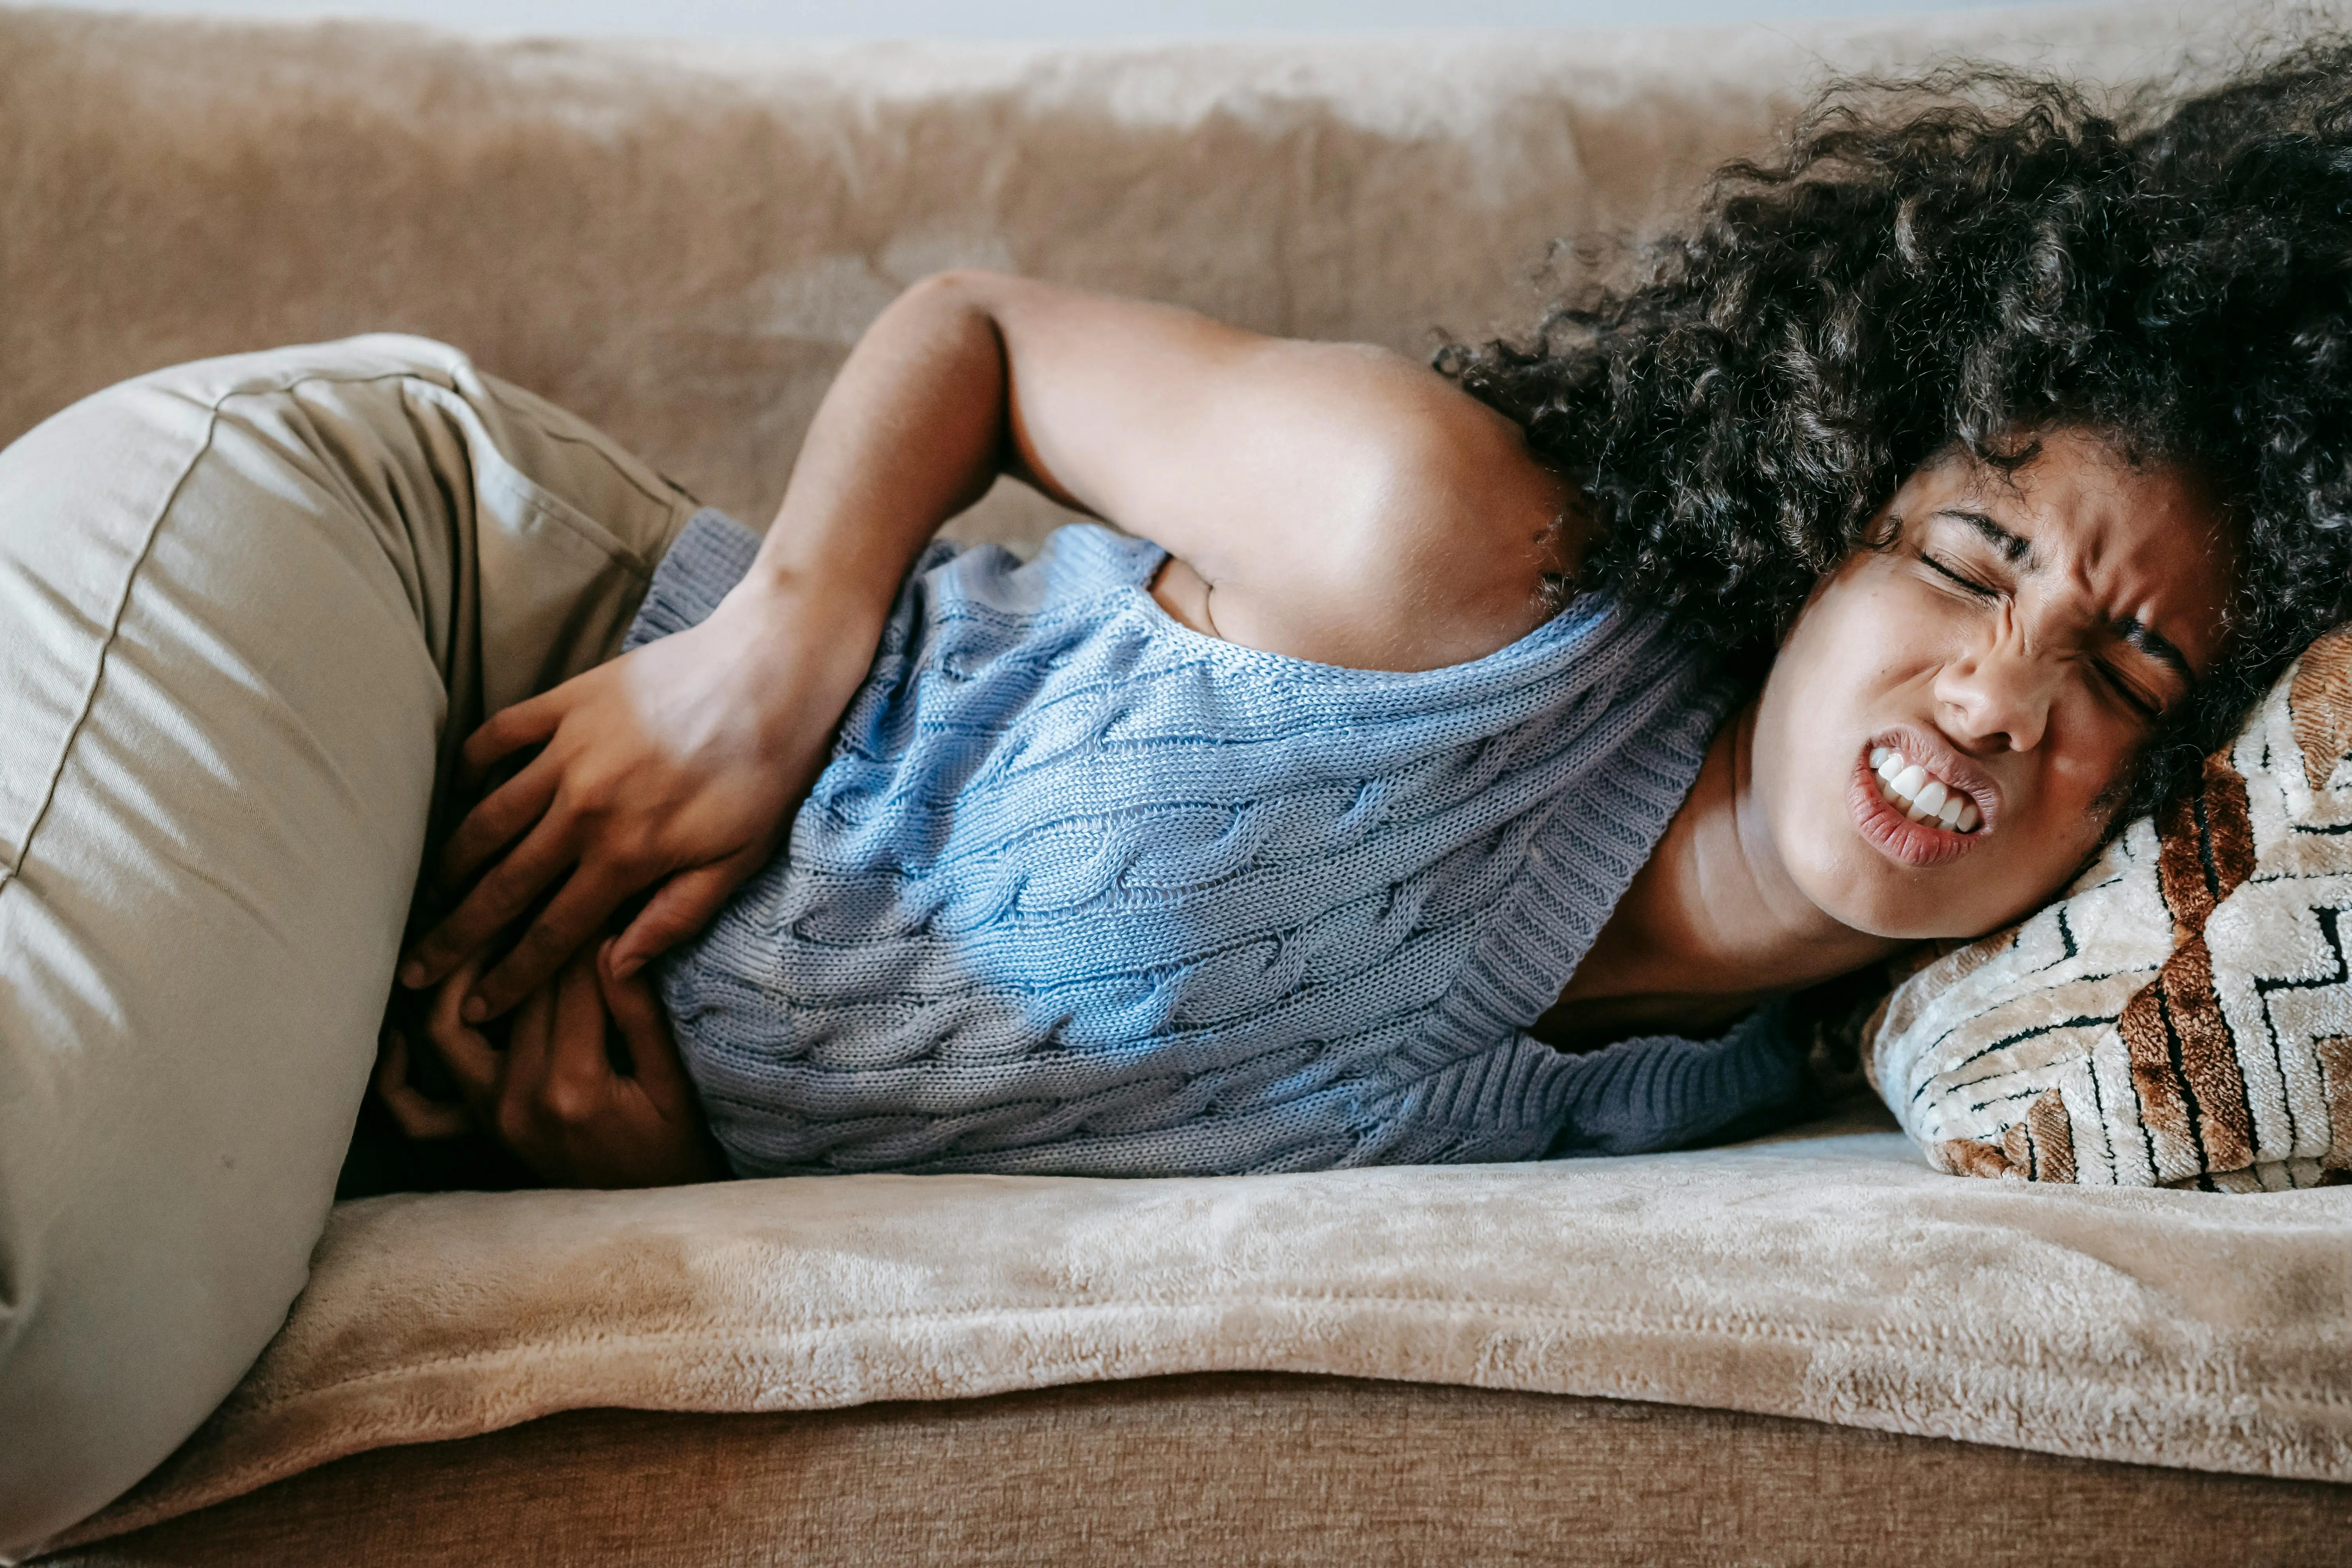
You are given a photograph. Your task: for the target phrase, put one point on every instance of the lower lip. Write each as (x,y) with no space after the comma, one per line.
(1895,836)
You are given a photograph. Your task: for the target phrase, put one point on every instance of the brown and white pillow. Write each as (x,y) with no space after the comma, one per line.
(2183,1015)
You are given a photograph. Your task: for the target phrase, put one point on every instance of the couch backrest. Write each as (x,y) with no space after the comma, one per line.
(681,242)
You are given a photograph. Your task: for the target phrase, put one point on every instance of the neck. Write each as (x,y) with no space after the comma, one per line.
(1712,920)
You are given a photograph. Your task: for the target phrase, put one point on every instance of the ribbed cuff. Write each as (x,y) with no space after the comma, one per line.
(1661,1091)
(710,554)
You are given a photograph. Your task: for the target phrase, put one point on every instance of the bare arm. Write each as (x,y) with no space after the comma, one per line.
(1333,503)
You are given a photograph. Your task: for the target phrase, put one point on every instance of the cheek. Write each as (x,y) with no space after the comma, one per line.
(1871,632)
(1839,676)
(2089,750)
(2074,811)
(2077,779)
(2053,831)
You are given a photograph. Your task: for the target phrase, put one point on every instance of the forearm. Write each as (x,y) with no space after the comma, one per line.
(676,767)
(910,432)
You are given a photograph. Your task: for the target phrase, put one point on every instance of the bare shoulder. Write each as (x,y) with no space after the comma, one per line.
(1336,501)
(1417,414)
(1445,542)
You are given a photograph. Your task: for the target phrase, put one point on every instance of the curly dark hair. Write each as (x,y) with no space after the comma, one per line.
(1967,259)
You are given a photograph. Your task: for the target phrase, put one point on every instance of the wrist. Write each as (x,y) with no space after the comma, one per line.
(814,635)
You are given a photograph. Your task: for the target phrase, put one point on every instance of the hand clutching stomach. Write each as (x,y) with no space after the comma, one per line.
(659,779)
(586,1088)
(646,789)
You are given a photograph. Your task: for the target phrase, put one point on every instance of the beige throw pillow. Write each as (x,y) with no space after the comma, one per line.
(2183,1015)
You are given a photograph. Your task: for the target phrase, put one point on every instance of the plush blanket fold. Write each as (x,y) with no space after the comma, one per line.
(1834,1277)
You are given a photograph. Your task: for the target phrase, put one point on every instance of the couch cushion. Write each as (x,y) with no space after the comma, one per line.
(1234,1469)
(679,243)
(1833,1276)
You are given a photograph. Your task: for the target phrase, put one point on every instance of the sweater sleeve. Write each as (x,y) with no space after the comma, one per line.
(1661,1091)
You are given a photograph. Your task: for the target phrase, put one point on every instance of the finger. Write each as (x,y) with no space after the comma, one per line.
(679,907)
(567,924)
(508,731)
(391,1059)
(499,818)
(466,1052)
(579,1072)
(421,1119)
(503,893)
(652,1052)
(526,1064)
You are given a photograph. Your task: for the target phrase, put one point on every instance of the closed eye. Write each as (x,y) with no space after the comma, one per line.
(2151,711)
(1970,585)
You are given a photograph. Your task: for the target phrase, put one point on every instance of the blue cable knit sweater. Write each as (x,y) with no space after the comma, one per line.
(1085,891)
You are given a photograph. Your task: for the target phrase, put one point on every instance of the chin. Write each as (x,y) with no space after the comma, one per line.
(1861,890)
(1908,918)
(1890,873)
(1883,901)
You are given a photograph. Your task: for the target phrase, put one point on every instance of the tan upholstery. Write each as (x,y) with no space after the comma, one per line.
(1237,1470)
(679,244)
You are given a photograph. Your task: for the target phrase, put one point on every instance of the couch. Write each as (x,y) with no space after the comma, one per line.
(1807,1349)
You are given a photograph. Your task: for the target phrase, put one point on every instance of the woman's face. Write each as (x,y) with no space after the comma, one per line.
(1943,737)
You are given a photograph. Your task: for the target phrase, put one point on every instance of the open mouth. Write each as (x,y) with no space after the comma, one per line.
(1917,801)
(1919,795)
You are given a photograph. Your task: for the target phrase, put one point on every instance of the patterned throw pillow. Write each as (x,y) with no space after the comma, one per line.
(2183,1015)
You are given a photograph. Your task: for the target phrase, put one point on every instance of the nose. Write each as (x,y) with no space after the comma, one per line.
(1997,697)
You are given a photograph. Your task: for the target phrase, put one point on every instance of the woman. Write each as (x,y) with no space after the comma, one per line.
(2014,438)
(1997,418)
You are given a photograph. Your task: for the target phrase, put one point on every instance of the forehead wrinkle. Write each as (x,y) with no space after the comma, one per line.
(2129,629)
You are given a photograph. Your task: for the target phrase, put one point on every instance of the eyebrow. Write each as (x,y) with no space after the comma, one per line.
(2018,551)
(2155,645)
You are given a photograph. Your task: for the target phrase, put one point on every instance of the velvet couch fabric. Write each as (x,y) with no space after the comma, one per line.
(679,243)
(1239,1468)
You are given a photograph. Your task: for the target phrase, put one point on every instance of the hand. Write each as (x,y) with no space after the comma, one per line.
(420,1118)
(553,1095)
(679,764)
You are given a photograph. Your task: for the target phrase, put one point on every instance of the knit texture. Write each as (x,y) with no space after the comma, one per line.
(1083,891)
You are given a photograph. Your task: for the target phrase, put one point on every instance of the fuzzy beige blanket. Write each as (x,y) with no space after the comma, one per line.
(1832,1276)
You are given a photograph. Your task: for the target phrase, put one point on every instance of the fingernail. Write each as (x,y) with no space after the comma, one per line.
(411,974)
(475,1010)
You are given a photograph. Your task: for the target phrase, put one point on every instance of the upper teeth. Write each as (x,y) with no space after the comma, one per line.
(1923,798)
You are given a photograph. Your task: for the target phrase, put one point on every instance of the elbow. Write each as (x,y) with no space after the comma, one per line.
(964,306)
(958,288)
